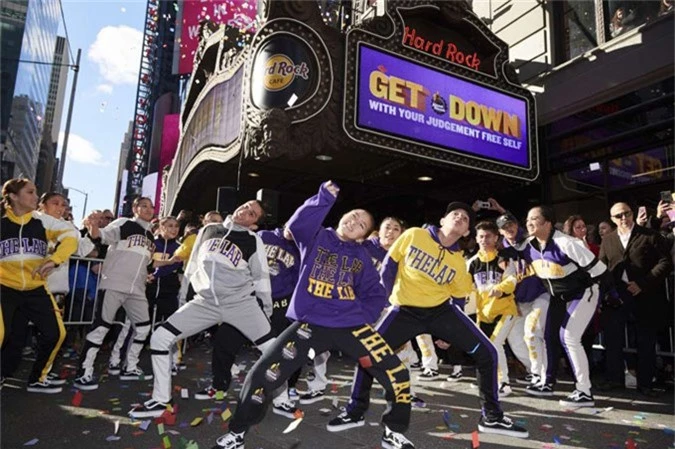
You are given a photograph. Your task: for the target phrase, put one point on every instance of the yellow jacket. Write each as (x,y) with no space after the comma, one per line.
(488,275)
(24,242)
(420,272)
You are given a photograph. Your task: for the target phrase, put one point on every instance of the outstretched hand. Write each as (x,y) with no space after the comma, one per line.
(332,188)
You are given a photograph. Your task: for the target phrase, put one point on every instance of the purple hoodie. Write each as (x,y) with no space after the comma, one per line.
(338,285)
(283,260)
(529,286)
(376,251)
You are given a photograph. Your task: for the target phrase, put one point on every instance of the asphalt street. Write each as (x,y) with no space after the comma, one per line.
(99,418)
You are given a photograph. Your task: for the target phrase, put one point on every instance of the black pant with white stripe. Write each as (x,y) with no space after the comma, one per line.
(447,322)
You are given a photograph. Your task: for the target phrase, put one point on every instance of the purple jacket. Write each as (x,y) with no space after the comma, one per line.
(377,253)
(529,286)
(338,285)
(283,260)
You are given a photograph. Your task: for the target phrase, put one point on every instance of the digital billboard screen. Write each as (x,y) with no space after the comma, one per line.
(408,101)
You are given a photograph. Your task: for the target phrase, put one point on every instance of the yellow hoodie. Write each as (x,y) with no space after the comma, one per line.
(24,242)
(488,275)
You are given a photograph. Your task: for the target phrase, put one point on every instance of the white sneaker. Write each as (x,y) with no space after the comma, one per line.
(43,387)
(134,374)
(230,440)
(395,440)
(504,390)
(149,409)
(631,381)
(428,374)
(286,409)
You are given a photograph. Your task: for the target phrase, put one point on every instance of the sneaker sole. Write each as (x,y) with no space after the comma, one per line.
(44,390)
(564,403)
(147,414)
(204,397)
(510,433)
(145,377)
(538,394)
(283,413)
(427,379)
(115,372)
(523,382)
(86,387)
(59,382)
(312,400)
(341,427)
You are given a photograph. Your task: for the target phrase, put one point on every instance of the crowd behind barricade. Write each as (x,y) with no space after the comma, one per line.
(511,297)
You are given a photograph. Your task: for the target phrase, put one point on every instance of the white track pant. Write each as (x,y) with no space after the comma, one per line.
(527,335)
(498,338)
(429,357)
(320,381)
(194,317)
(136,308)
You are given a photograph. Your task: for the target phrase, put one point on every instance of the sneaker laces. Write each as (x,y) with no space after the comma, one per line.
(228,437)
(398,438)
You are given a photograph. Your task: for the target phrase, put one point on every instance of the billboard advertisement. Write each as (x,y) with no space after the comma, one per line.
(169,146)
(407,101)
(237,13)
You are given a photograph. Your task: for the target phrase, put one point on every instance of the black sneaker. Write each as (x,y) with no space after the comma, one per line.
(85,383)
(395,440)
(230,440)
(114,370)
(578,399)
(455,377)
(286,409)
(503,426)
(530,379)
(541,390)
(55,379)
(416,365)
(149,409)
(206,394)
(312,397)
(43,387)
(428,375)
(134,374)
(344,421)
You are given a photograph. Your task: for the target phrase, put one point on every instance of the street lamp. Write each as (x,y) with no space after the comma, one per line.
(86,196)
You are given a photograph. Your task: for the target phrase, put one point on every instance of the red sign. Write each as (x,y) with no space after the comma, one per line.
(440,47)
(236,13)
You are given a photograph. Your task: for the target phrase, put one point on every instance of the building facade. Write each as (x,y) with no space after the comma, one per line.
(48,162)
(602,73)
(27,68)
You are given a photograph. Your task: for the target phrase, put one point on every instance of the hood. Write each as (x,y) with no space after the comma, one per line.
(433,231)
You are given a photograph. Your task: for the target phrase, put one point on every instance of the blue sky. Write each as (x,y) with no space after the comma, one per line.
(109,34)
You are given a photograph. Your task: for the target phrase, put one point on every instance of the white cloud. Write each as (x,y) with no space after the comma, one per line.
(117,52)
(104,88)
(82,151)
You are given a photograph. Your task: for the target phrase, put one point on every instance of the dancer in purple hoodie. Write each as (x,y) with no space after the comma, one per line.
(337,296)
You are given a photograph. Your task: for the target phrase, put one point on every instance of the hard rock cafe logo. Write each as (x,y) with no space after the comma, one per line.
(258,396)
(280,71)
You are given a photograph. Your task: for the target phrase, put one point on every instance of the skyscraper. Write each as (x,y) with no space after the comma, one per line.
(47,163)
(28,37)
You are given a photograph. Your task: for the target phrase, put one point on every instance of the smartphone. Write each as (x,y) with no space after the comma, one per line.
(642,210)
(666,196)
(484,204)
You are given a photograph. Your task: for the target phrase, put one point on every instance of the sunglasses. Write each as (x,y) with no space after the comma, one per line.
(622,215)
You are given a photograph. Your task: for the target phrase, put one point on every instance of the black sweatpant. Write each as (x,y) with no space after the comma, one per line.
(18,309)
(290,351)
(229,341)
(447,322)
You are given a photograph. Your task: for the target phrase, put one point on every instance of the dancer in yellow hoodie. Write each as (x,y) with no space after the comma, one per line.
(494,282)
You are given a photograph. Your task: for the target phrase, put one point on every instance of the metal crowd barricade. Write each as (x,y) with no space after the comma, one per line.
(83,299)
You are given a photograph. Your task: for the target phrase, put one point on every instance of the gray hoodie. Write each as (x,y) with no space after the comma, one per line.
(228,265)
(125,267)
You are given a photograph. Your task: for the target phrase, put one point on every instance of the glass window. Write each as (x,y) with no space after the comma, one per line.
(623,16)
(578,24)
